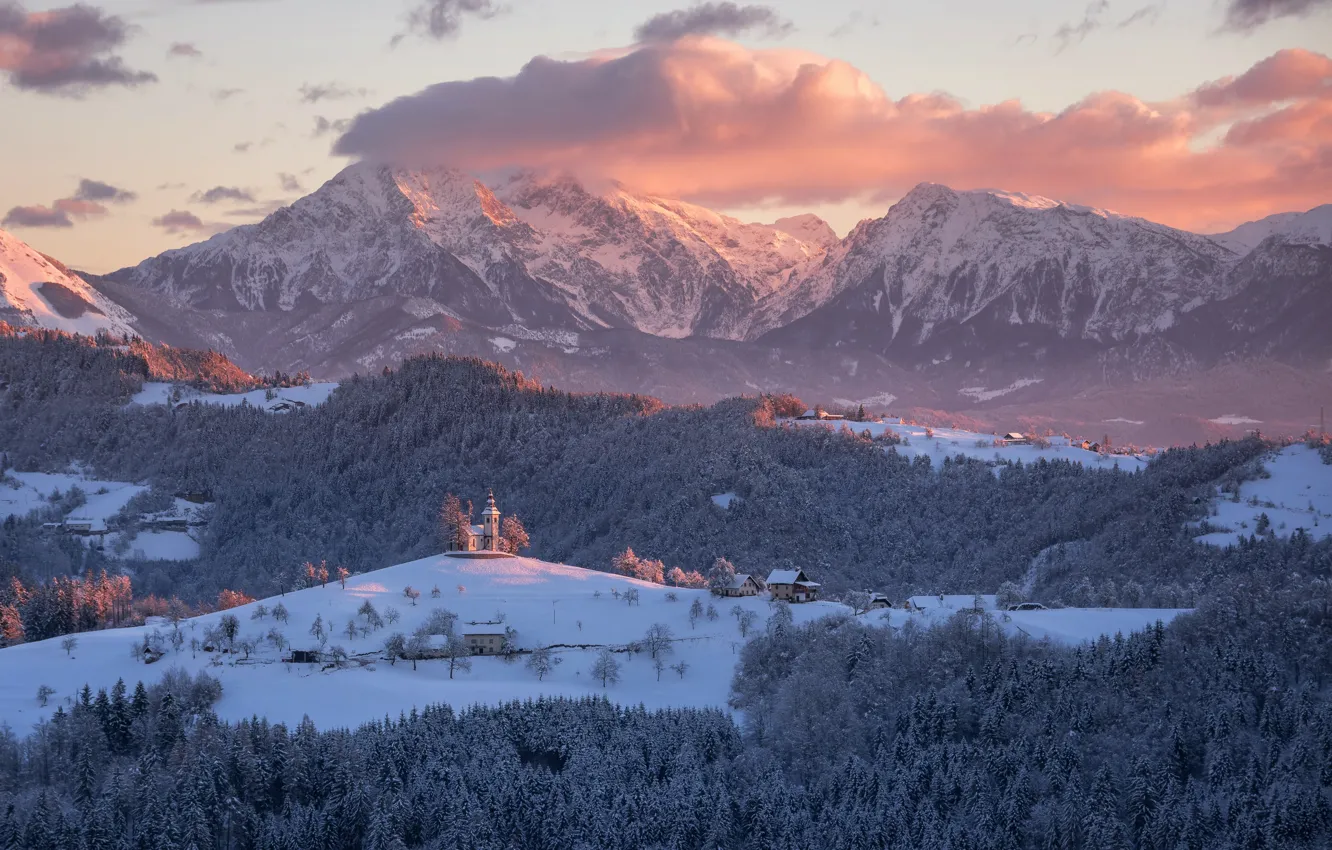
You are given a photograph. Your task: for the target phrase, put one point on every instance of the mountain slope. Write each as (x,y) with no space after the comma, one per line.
(948,274)
(1310,228)
(37,290)
(537,252)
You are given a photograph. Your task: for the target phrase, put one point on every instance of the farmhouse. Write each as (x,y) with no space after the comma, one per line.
(792,585)
(485,643)
(879,600)
(486,536)
(1014,438)
(742,585)
(818,413)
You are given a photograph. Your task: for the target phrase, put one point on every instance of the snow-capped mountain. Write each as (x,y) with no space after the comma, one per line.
(537,252)
(1313,227)
(981,270)
(37,290)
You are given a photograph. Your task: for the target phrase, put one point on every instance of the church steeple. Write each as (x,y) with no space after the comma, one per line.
(490,523)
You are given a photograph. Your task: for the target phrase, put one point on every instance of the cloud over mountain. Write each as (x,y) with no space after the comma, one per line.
(718,123)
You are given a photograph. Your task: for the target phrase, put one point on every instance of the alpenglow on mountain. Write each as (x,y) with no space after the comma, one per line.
(948,299)
(540,253)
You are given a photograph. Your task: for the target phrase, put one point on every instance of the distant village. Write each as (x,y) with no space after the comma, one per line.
(1104,445)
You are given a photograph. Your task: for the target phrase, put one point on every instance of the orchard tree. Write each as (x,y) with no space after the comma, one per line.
(542,662)
(68,645)
(459,654)
(695,612)
(606,668)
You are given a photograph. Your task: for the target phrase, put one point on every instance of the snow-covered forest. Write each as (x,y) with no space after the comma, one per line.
(358,482)
(1212,732)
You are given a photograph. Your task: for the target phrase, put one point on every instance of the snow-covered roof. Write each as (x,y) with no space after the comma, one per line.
(739,581)
(809,584)
(1014,435)
(810,414)
(786,577)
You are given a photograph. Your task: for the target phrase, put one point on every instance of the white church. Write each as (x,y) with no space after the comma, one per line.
(486,536)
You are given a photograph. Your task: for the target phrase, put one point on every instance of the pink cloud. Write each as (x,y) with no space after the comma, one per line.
(715,122)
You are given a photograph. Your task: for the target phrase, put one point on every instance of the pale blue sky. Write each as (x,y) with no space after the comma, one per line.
(170,139)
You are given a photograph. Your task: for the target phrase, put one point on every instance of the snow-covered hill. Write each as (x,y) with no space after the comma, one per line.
(169,534)
(572,611)
(1296,493)
(36,290)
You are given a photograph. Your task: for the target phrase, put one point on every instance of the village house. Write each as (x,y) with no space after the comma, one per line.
(792,585)
(742,585)
(485,643)
(818,413)
(1014,438)
(878,600)
(486,536)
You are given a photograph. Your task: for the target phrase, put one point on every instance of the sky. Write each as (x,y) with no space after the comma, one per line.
(135,126)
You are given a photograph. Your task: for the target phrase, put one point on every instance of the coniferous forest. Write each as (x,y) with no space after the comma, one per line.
(1213,732)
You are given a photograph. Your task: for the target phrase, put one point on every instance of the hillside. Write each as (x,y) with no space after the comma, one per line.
(573,611)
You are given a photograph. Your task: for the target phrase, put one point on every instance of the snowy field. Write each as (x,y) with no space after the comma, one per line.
(572,610)
(1297,495)
(951,442)
(284,397)
(21,493)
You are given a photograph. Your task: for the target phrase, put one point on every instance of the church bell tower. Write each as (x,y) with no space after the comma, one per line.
(490,524)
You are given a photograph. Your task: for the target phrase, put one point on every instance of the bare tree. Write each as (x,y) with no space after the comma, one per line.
(350,630)
(317,630)
(658,664)
(695,612)
(260,611)
(342,574)
(417,647)
(658,639)
(859,600)
(280,613)
(395,647)
(68,645)
(542,662)
(434,592)
(680,668)
(606,668)
(459,654)
(44,693)
(747,621)
(411,593)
